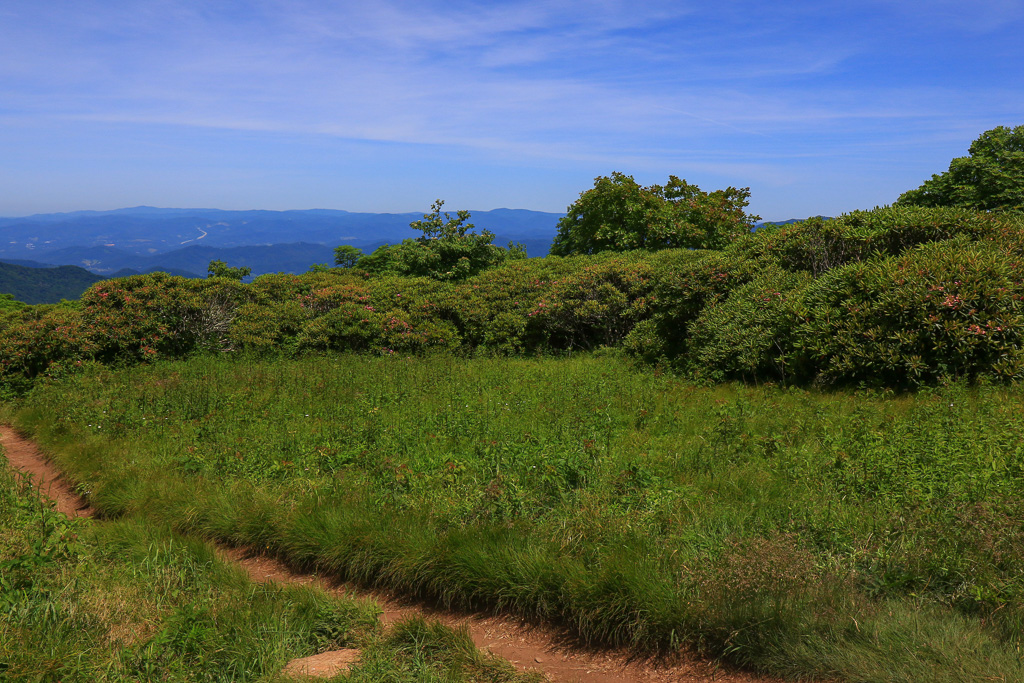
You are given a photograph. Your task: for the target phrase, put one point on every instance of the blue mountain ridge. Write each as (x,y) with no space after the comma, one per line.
(144,237)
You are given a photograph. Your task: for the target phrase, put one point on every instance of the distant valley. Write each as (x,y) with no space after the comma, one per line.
(186,240)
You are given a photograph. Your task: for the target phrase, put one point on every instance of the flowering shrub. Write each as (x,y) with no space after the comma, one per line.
(45,336)
(749,335)
(818,245)
(685,282)
(356,327)
(145,316)
(896,296)
(492,309)
(268,328)
(597,305)
(324,299)
(950,308)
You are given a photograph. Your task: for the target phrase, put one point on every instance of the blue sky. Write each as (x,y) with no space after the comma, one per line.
(819,107)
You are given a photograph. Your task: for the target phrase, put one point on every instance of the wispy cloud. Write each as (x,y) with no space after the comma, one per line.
(590,83)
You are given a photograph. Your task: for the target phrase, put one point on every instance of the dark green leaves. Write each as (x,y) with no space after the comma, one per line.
(990,178)
(617,214)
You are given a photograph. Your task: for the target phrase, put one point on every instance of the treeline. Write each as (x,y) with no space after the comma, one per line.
(896,297)
(44,285)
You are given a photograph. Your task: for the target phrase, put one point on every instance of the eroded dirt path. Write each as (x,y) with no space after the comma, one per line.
(27,460)
(527,646)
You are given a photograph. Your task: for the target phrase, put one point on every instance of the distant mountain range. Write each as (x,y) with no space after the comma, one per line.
(779,224)
(143,239)
(146,238)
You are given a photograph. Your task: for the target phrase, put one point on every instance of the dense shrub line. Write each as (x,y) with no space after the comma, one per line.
(897,296)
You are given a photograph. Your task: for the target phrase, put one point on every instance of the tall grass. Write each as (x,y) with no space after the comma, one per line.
(127,600)
(790,531)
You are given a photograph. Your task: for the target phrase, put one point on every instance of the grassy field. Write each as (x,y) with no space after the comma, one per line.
(868,537)
(127,600)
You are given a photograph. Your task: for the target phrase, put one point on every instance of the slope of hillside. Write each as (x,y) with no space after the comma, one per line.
(44,285)
(268,258)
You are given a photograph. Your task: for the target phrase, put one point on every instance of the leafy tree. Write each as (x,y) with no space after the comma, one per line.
(447,250)
(8,302)
(990,178)
(346,255)
(221,269)
(618,214)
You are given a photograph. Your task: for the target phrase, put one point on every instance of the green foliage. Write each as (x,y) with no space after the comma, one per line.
(618,214)
(749,336)
(9,303)
(144,317)
(949,308)
(990,178)
(351,326)
(448,250)
(492,310)
(781,304)
(805,534)
(44,285)
(346,255)
(267,329)
(221,269)
(597,305)
(44,339)
(685,283)
(818,245)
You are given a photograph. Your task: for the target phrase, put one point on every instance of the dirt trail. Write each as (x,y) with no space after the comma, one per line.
(527,646)
(26,459)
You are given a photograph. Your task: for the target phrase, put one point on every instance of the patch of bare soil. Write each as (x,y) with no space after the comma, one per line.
(323,665)
(28,461)
(530,647)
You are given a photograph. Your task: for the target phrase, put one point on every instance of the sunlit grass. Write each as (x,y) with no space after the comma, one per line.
(758,523)
(127,600)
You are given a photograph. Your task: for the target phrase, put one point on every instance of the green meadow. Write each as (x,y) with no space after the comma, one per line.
(797,449)
(859,535)
(130,600)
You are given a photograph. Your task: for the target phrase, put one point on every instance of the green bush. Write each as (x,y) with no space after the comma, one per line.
(597,305)
(275,287)
(268,328)
(808,301)
(492,309)
(949,308)
(990,178)
(618,214)
(818,245)
(41,340)
(448,250)
(685,282)
(748,336)
(355,327)
(148,316)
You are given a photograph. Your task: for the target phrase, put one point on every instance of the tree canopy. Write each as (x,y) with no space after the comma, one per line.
(990,178)
(346,256)
(618,214)
(447,250)
(221,269)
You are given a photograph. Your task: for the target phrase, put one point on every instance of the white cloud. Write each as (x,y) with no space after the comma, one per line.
(614,82)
